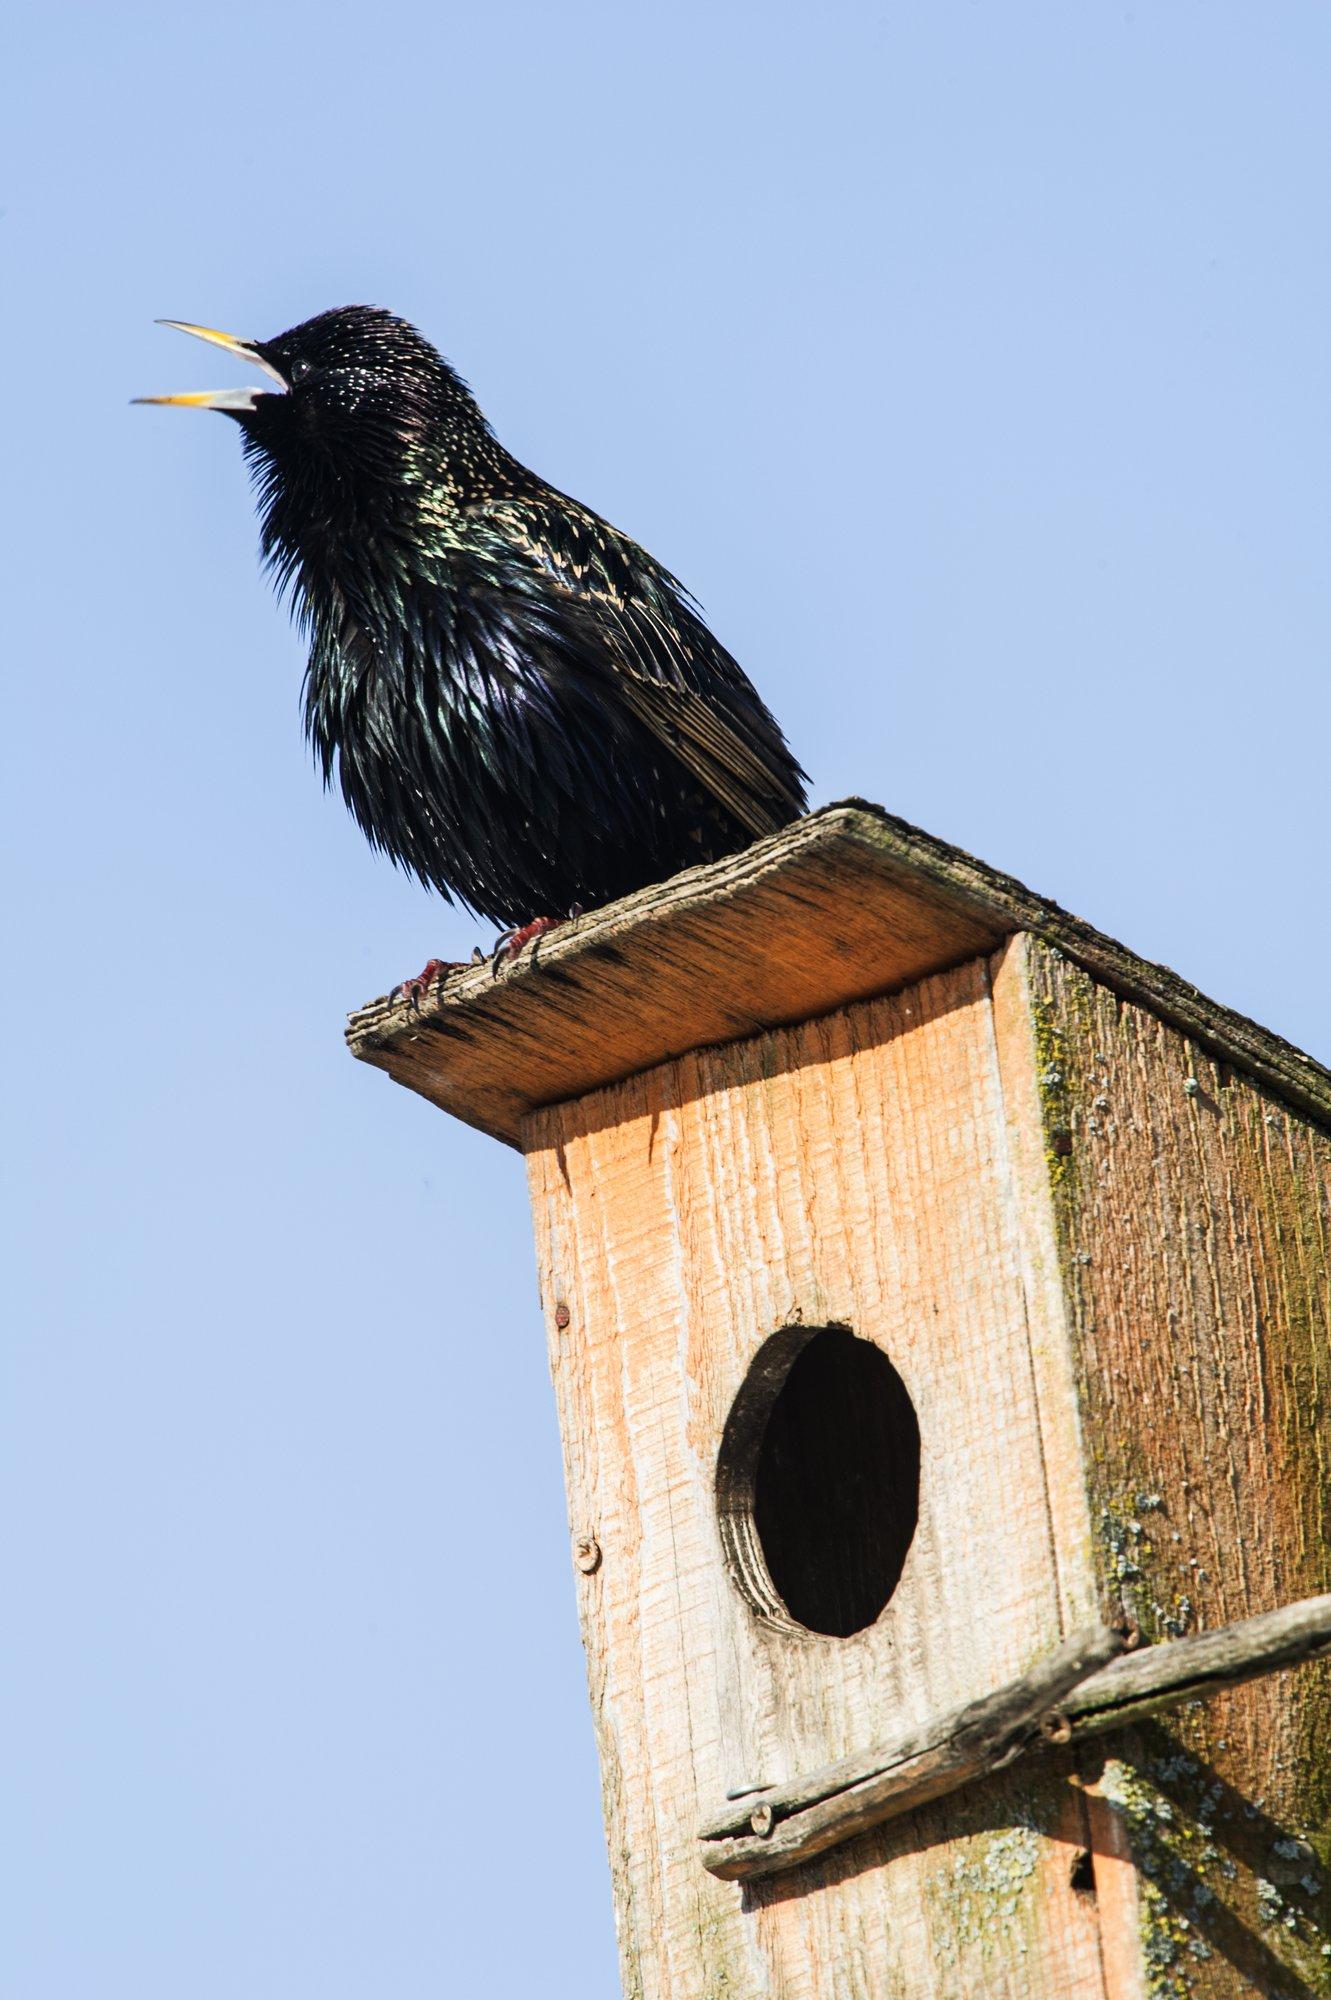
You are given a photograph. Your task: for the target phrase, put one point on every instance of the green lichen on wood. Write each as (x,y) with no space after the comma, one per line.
(1051,1075)
(984,1901)
(1137,1557)
(1222,1889)
(997,1883)
(1193,1215)
(1296,1339)
(1171,1853)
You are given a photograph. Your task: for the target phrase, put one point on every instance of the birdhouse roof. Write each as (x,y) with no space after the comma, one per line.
(839,906)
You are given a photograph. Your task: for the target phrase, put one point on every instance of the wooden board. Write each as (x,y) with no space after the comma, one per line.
(840,906)
(1193,1218)
(857,1169)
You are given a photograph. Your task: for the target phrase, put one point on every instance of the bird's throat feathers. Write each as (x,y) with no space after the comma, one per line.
(369,444)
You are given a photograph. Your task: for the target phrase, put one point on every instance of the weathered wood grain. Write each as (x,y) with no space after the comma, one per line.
(1160,1676)
(844,904)
(855,1170)
(1193,1214)
(1081,1689)
(770,1831)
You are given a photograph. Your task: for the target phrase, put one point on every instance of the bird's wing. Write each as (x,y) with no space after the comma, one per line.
(707,741)
(670,672)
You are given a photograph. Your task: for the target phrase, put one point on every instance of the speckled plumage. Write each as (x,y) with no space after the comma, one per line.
(518,703)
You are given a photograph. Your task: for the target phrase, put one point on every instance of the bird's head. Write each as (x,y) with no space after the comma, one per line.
(357,414)
(354,367)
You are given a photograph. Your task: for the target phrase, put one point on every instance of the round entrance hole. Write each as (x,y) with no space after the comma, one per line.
(818,1480)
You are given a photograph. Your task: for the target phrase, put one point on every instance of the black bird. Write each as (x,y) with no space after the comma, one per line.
(521,706)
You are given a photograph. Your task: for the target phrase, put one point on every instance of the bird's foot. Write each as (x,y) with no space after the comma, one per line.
(512,943)
(413,991)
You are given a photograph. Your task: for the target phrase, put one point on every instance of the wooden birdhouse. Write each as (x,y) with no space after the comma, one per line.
(938,1310)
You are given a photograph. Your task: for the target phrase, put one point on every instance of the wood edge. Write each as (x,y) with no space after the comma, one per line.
(912,856)
(1049,1333)
(1224,1032)
(1117,1898)
(506,1132)
(380,1022)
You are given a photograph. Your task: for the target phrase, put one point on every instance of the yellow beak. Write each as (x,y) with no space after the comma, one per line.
(219,399)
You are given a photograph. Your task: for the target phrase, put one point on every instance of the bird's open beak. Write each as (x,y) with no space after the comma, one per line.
(220,399)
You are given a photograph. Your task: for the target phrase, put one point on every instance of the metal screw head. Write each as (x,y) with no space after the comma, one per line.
(561,1315)
(587,1554)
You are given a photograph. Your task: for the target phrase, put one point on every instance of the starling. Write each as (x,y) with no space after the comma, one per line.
(520,705)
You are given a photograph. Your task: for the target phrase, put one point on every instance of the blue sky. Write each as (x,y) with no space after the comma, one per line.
(969,362)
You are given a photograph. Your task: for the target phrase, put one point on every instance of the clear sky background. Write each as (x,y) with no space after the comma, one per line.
(970,363)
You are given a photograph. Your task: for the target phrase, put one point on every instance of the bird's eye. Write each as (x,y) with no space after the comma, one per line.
(299,370)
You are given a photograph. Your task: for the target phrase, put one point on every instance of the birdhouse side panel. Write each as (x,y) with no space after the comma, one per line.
(856,1172)
(1193,1212)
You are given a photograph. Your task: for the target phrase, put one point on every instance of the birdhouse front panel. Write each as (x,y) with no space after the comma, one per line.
(824,1477)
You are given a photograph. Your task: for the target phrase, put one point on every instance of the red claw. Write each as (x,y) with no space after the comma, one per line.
(512,943)
(415,990)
